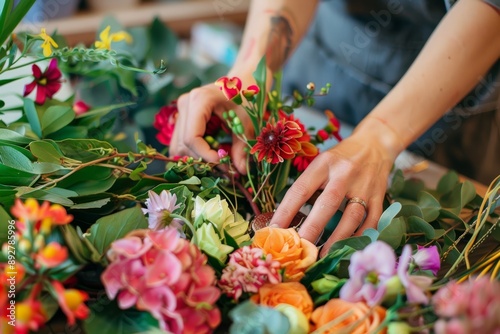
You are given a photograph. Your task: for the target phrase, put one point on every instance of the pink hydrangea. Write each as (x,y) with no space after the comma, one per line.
(248,269)
(159,272)
(469,307)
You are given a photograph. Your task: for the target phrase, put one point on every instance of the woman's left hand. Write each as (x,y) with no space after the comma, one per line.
(357,170)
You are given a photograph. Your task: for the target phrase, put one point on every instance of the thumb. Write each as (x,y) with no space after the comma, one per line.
(239,156)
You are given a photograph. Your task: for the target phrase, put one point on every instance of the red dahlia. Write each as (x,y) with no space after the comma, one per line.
(278,141)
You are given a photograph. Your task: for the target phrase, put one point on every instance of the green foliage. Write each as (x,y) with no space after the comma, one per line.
(107,317)
(249,318)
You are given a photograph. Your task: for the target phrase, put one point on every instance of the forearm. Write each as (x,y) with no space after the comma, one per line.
(462,48)
(273,28)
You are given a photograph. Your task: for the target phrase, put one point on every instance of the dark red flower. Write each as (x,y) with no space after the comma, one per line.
(47,83)
(333,127)
(278,141)
(80,107)
(214,125)
(165,122)
(302,161)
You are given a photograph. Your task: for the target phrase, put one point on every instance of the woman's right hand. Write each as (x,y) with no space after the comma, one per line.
(195,110)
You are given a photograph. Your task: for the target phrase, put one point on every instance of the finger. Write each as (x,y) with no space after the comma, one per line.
(353,216)
(175,147)
(239,156)
(300,191)
(324,208)
(373,215)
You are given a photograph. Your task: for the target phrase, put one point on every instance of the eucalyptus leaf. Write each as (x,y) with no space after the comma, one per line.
(388,215)
(408,210)
(429,205)
(397,183)
(393,234)
(250,318)
(372,233)
(113,227)
(419,225)
(447,182)
(357,243)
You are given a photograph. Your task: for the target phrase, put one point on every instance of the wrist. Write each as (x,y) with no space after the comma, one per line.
(378,130)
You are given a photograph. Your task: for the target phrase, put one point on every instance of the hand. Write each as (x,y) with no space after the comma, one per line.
(357,167)
(195,109)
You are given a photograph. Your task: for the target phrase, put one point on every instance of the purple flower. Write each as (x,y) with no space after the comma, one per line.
(159,208)
(428,259)
(414,285)
(368,272)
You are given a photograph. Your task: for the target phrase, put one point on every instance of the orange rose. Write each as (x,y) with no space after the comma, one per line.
(347,317)
(286,247)
(291,293)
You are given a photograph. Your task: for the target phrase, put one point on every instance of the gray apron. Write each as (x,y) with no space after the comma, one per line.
(364,47)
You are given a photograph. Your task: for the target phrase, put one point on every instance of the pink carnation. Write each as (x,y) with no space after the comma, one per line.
(166,275)
(248,269)
(469,307)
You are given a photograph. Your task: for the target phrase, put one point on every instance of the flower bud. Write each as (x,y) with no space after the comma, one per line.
(398,327)
(325,284)
(394,287)
(39,242)
(298,320)
(24,246)
(311,86)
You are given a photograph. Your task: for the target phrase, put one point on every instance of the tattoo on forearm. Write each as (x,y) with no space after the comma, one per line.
(279,44)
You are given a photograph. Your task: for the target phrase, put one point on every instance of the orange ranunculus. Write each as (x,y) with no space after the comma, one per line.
(354,318)
(291,293)
(286,247)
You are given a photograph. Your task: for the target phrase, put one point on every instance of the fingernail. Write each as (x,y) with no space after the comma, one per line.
(274,225)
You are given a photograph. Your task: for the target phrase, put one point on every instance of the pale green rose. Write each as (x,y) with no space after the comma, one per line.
(216,211)
(298,320)
(210,243)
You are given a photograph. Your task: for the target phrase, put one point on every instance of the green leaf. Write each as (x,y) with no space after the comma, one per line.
(55,118)
(46,151)
(70,131)
(84,150)
(89,180)
(461,194)
(419,225)
(429,205)
(5,8)
(409,210)
(4,225)
(327,265)
(91,205)
(388,215)
(357,243)
(412,188)
(397,184)
(12,18)
(12,137)
(95,114)
(113,227)
(135,175)
(250,318)
(107,317)
(6,81)
(393,234)
(447,182)
(281,178)
(32,115)
(15,177)
(45,195)
(260,76)
(15,159)
(163,42)
(372,233)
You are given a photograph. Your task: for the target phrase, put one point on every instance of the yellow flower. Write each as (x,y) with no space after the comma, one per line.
(107,38)
(48,43)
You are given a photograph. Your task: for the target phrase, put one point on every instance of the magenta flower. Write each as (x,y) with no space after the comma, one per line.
(248,269)
(159,208)
(469,307)
(250,92)
(428,259)
(369,271)
(47,83)
(159,272)
(414,285)
(165,121)
(231,87)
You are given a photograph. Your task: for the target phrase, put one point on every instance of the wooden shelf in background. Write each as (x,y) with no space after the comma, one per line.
(179,16)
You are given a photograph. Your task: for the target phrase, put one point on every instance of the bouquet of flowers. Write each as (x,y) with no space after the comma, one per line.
(87,228)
